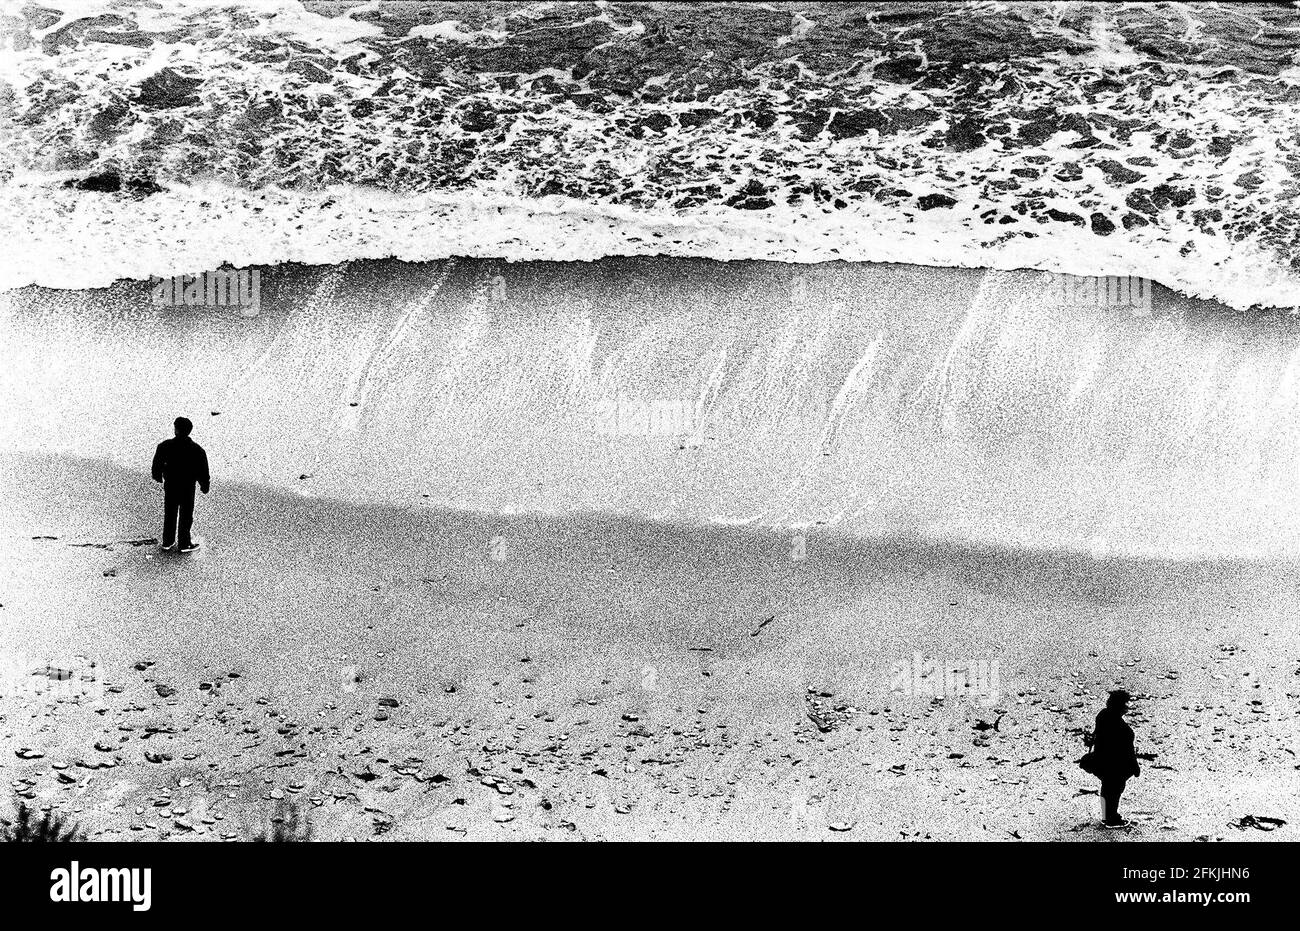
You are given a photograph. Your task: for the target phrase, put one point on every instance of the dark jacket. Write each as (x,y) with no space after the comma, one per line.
(180,462)
(1112,746)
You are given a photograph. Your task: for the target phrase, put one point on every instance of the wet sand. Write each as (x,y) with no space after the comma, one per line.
(421,674)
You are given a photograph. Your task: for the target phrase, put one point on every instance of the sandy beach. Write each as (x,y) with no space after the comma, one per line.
(423,674)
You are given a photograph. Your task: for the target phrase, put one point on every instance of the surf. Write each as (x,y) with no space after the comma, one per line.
(1156,141)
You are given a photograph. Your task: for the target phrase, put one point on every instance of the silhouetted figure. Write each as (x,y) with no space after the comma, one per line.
(179,463)
(1113,759)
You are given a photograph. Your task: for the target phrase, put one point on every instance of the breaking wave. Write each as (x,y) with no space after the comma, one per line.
(1160,140)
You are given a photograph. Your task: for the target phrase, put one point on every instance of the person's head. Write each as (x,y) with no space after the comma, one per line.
(1118,700)
(183,426)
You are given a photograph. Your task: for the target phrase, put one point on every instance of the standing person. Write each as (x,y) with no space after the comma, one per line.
(1113,759)
(179,463)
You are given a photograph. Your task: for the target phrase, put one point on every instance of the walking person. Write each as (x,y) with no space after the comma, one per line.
(1112,758)
(179,464)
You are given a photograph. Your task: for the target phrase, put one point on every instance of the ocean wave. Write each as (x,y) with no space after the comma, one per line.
(1159,140)
(60,238)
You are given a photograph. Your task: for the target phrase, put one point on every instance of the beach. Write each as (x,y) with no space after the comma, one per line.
(406,673)
(650,421)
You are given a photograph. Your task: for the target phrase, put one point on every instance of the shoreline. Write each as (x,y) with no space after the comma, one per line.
(1165,295)
(886,400)
(354,224)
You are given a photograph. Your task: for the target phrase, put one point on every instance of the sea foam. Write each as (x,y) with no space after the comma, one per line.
(64,238)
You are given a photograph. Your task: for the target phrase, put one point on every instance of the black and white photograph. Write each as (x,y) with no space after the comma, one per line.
(856,435)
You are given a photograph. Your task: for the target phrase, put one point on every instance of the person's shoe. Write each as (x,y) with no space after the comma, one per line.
(166,546)
(188,548)
(1117,823)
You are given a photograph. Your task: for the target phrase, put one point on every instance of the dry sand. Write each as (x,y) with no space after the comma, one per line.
(537,678)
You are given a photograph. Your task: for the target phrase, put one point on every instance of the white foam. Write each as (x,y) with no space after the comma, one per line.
(1227,239)
(64,238)
(801,25)
(453,31)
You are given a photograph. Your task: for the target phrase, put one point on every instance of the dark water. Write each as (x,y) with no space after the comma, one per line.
(1159,139)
